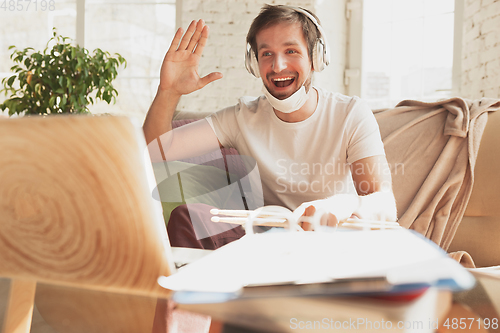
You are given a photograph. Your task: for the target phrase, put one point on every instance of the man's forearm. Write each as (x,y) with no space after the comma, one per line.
(377,206)
(159,117)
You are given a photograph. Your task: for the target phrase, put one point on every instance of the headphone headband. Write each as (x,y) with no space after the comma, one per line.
(309,16)
(320,53)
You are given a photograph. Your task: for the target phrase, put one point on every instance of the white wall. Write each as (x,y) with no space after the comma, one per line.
(332,16)
(481,49)
(229,21)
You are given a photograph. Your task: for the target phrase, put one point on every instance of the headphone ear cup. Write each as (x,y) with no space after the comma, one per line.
(255,64)
(318,56)
(251,62)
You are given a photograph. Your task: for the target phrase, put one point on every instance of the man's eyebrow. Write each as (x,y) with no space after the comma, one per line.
(262,46)
(289,43)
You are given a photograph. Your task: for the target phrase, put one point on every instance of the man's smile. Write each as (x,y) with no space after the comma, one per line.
(283,81)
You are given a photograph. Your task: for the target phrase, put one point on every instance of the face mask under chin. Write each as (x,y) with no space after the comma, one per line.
(289,104)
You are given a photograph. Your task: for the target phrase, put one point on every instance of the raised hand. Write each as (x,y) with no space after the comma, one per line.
(179,71)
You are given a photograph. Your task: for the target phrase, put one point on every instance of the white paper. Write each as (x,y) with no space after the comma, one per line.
(281,257)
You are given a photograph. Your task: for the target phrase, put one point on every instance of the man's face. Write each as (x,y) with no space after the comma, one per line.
(283,56)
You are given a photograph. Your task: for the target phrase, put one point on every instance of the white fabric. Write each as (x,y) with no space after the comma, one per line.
(301,161)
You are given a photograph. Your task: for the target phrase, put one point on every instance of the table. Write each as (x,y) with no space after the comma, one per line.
(63,309)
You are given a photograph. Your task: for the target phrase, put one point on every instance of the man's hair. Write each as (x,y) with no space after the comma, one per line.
(271,15)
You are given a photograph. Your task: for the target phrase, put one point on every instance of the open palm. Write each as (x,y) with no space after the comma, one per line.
(179,71)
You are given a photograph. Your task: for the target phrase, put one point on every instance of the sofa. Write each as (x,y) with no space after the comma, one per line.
(479,230)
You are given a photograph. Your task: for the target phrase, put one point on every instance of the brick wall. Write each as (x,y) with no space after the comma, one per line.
(481,49)
(229,21)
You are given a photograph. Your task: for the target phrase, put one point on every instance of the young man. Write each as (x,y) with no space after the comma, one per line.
(311,146)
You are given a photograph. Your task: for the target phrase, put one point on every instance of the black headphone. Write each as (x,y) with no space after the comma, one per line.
(320,54)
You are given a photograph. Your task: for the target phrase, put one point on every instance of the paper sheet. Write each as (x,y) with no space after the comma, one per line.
(307,257)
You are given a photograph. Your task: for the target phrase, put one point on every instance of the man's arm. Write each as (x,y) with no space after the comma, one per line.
(373,182)
(178,76)
(375,199)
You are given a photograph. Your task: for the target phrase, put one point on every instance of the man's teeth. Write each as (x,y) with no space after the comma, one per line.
(282,82)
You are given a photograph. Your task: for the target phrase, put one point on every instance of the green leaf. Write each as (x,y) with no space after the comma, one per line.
(10,81)
(38,88)
(52,101)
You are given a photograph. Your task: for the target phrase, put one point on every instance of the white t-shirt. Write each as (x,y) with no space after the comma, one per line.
(301,161)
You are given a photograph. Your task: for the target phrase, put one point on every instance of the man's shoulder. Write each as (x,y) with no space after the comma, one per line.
(251,103)
(337,97)
(247,106)
(339,101)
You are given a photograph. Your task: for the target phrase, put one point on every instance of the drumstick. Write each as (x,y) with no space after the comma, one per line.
(241,213)
(230,212)
(371,222)
(265,222)
(360,225)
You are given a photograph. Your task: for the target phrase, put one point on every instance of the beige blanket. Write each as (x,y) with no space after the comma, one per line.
(431,149)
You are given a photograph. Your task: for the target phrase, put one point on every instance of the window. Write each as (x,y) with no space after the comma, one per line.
(139,30)
(407,51)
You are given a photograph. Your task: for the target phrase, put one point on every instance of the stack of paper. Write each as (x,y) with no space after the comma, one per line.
(312,263)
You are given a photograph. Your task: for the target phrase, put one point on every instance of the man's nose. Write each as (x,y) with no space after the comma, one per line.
(279,63)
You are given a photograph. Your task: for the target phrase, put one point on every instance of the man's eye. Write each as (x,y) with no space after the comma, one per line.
(266,54)
(291,51)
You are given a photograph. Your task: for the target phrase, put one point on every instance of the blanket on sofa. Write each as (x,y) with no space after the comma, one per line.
(431,149)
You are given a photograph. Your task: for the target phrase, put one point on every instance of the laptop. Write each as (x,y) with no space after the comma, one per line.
(77,206)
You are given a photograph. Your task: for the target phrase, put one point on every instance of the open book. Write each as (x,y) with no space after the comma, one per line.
(291,263)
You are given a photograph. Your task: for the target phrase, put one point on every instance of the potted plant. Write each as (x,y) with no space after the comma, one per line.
(64,78)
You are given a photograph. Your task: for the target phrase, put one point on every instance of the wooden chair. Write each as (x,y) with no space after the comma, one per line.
(76,211)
